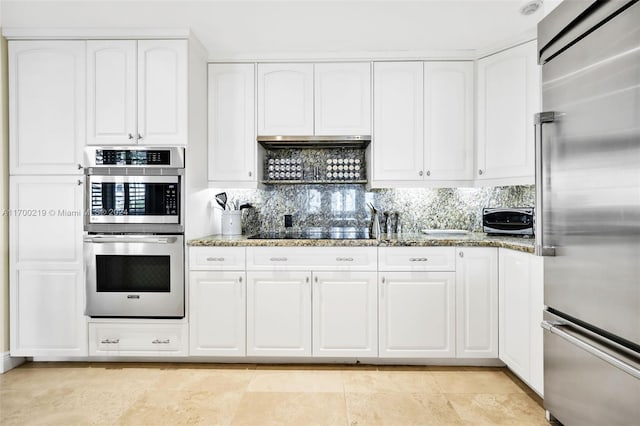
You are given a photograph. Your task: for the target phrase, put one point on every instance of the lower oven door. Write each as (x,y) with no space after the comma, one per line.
(135,275)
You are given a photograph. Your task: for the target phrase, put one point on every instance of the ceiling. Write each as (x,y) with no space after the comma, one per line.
(314,29)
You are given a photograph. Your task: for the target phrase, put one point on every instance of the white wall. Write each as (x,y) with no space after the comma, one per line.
(4,201)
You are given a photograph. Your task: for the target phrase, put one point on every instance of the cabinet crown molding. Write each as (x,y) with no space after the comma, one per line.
(20,33)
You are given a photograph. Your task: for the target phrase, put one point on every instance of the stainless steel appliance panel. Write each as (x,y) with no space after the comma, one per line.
(585,386)
(141,276)
(591,178)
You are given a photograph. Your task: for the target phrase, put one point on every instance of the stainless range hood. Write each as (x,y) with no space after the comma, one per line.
(360,141)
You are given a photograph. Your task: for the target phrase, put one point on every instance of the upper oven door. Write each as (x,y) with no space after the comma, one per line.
(133,199)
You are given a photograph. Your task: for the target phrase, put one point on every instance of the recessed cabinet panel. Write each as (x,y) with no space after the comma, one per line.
(217,313)
(448,120)
(47,225)
(345,314)
(47,315)
(47,104)
(162,92)
(398,121)
(285,99)
(343,99)
(112,93)
(477,302)
(417,314)
(508,97)
(278,313)
(232,135)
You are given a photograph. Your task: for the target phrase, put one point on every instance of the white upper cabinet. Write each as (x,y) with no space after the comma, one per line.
(448,121)
(423,123)
(508,97)
(112,93)
(232,134)
(398,121)
(343,98)
(137,92)
(47,104)
(285,99)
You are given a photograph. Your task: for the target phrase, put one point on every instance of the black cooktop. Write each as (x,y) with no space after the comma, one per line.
(313,235)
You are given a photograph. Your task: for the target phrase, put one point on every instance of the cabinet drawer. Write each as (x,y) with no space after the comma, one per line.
(132,339)
(316,258)
(417,258)
(218,258)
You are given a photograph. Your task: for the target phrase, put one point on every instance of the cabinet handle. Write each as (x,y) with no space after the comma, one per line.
(382,287)
(278,259)
(139,136)
(80,166)
(418,259)
(110,341)
(306,280)
(344,259)
(249,174)
(461,254)
(315,279)
(161,342)
(383,280)
(130,136)
(428,172)
(240,279)
(215,259)
(420,173)
(79,182)
(480,172)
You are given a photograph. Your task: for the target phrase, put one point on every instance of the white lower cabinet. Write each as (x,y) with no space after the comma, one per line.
(417,314)
(278,313)
(217,313)
(47,289)
(477,302)
(138,338)
(345,311)
(521,304)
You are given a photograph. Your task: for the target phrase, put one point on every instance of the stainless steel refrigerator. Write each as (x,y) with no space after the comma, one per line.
(588,211)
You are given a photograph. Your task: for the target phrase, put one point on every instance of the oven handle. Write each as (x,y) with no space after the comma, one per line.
(130,239)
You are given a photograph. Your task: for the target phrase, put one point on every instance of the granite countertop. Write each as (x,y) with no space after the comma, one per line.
(477,239)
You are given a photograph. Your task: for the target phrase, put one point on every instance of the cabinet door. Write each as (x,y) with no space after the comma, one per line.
(448,120)
(417,315)
(285,99)
(514,301)
(111,92)
(46,269)
(477,302)
(162,92)
(508,96)
(47,106)
(343,99)
(217,313)
(536,360)
(345,313)
(278,313)
(397,121)
(232,135)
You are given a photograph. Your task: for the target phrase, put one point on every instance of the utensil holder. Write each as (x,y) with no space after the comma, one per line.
(232,222)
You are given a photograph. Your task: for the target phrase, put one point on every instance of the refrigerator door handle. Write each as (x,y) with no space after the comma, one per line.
(578,340)
(540,248)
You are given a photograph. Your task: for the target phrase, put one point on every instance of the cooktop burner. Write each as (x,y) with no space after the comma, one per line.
(313,235)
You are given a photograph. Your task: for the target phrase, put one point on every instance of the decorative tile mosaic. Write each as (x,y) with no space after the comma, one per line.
(344,205)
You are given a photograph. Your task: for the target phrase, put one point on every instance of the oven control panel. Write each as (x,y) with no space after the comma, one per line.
(171,199)
(121,157)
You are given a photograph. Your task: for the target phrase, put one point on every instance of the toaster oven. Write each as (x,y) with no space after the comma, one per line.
(508,221)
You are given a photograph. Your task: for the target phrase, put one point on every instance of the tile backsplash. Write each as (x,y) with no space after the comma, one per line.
(344,205)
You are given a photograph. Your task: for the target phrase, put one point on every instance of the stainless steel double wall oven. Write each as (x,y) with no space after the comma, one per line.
(134,232)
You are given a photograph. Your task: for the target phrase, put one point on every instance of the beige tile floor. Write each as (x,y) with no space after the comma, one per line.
(213,394)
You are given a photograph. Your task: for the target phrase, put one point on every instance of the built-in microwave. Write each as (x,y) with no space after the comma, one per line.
(134,189)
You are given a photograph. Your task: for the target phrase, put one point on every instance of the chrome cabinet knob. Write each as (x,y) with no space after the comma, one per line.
(480,172)
(428,172)
(420,173)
